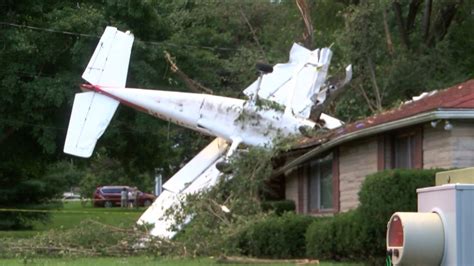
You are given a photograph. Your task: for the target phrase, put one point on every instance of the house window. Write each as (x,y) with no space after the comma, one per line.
(401,150)
(320,187)
(404,151)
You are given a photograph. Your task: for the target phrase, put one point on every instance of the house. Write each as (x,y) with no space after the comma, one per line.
(323,174)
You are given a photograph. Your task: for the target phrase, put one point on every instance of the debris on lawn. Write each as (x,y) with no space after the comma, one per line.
(247,260)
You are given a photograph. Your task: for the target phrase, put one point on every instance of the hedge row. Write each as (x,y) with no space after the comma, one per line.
(355,235)
(279,207)
(275,237)
(360,234)
(329,238)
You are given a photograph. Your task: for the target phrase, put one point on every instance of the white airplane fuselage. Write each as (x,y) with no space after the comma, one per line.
(280,103)
(234,120)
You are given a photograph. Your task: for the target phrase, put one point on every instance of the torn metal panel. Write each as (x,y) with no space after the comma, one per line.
(294,83)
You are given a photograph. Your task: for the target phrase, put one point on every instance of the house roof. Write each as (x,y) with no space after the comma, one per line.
(456,102)
(457,97)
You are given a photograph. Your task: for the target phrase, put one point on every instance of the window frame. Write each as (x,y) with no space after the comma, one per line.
(386,157)
(335,187)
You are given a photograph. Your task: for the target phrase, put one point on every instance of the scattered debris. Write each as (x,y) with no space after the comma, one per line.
(246,260)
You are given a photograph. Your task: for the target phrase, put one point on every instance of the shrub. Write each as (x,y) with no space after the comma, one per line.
(360,233)
(26,185)
(384,193)
(275,237)
(319,239)
(279,207)
(214,231)
(334,238)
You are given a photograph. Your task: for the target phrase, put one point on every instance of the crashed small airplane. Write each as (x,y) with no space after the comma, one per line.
(279,104)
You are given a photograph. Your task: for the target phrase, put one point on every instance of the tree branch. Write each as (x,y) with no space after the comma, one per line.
(334,87)
(387,79)
(305,13)
(443,22)
(254,261)
(214,213)
(366,97)
(412,12)
(388,36)
(190,83)
(426,20)
(397,8)
(254,33)
(378,100)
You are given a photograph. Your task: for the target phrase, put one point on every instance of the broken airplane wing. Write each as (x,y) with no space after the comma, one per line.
(293,84)
(198,174)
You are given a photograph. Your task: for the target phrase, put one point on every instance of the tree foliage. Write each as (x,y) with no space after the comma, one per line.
(360,234)
(46,44)
(220,214)
(394,60)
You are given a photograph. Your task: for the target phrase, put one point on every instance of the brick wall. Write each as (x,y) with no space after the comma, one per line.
(356,160)
(449,149)
(462,144)
(437,147)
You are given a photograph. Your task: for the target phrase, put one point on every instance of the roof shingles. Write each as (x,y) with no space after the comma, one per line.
(460,96)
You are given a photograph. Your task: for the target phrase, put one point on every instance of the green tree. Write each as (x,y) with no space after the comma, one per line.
(46,44)
(67,171)
(37,85)
(398,51)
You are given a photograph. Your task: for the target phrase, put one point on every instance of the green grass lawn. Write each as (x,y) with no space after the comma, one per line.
(142,261)
(74,213)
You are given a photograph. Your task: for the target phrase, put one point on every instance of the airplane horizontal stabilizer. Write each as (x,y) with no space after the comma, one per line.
(90,116)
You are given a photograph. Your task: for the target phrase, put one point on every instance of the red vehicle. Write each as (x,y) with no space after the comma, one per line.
(109,196)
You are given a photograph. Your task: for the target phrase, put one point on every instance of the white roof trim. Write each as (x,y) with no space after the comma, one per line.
(404,122)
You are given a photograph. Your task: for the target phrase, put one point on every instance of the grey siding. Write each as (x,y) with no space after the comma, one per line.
(356,160)
(462,144)
(437,147)
(449,149)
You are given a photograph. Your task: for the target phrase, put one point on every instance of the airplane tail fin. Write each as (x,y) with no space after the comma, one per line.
(108,65)
(92,111)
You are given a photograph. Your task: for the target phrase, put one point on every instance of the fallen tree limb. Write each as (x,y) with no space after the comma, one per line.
(190,83)
(246,260)
(334,87)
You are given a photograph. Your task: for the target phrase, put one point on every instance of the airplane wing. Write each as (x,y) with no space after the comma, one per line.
(293,84)
(198,174)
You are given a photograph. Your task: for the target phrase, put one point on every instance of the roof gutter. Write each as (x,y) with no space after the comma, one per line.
(409,121)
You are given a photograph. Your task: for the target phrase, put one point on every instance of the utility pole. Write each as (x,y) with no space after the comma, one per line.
(158,181)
